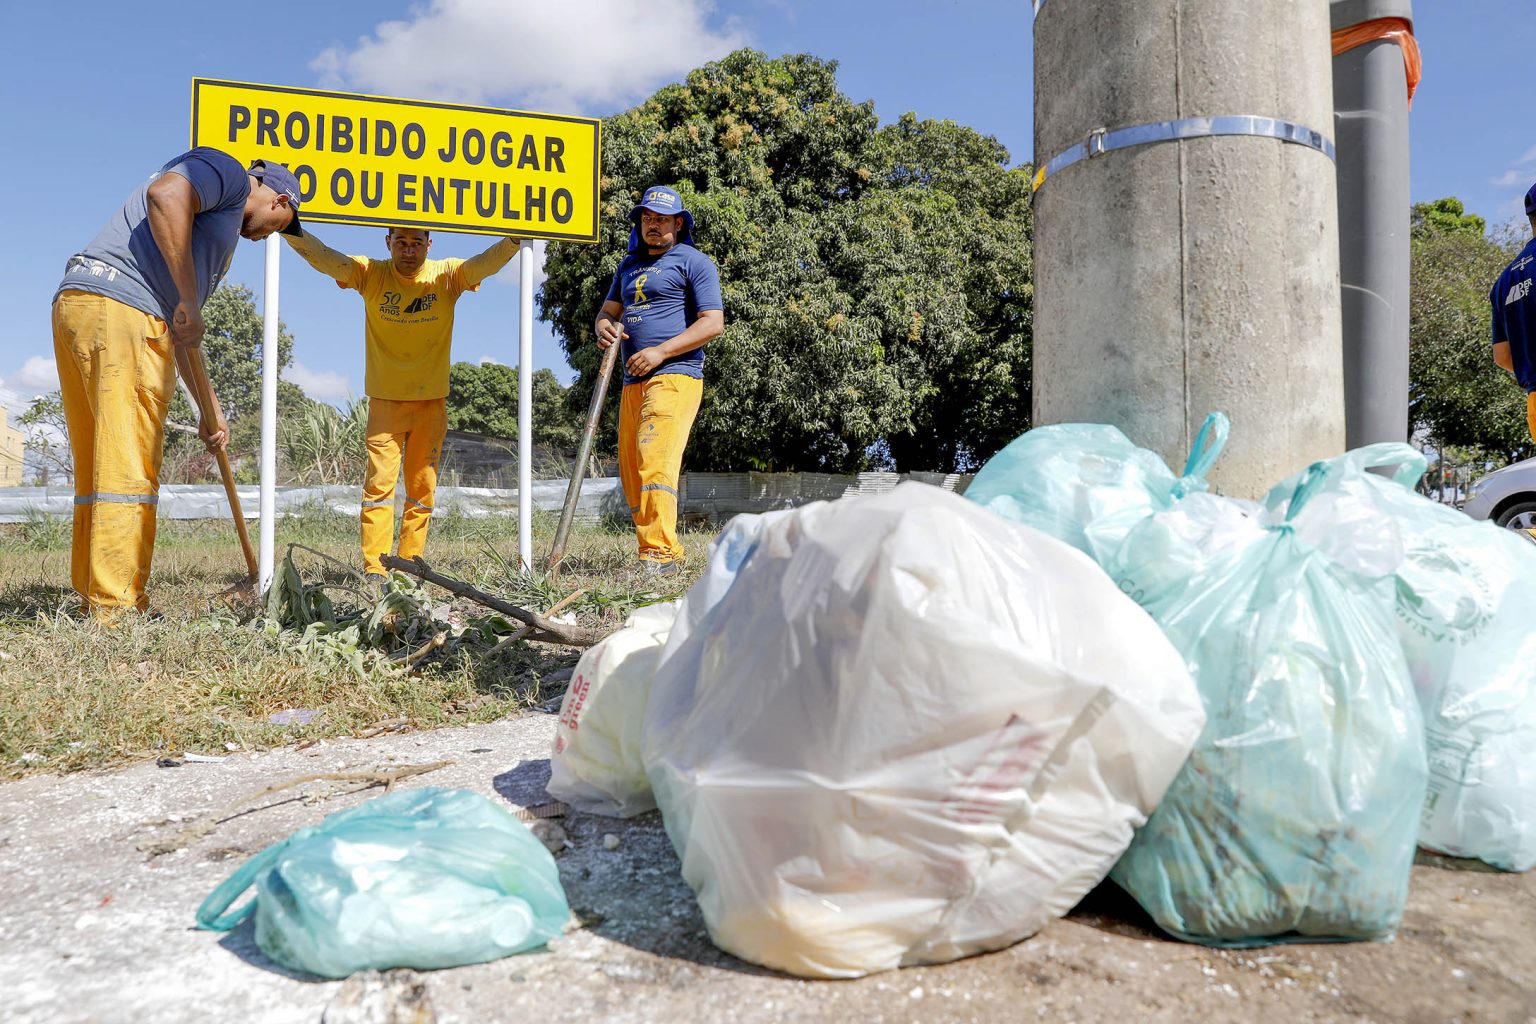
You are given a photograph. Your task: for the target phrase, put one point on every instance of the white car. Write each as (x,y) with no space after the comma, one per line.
(1506,496)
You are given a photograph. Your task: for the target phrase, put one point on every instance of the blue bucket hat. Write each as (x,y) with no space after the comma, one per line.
(660,199)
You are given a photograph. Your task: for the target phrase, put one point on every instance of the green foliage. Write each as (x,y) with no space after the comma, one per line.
(1444,216)
(232,351)
(293,406)
(876,280)
(323,446)
(482,398)
(395,627)
(1457,396)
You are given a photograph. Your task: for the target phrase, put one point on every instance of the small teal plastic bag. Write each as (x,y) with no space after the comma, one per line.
(1087,484)
(1296,816)
(422,878)
(1465,605)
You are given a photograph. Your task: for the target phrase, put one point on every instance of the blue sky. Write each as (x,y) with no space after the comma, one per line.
(95,95)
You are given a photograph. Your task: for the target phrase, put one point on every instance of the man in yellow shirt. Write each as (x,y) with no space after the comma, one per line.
(408,302)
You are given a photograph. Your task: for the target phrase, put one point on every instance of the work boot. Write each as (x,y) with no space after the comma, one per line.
(652,568)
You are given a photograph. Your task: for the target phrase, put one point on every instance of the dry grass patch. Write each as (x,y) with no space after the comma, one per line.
(203,679)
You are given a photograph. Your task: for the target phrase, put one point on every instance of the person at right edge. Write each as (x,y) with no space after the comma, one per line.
(1514,317)
(663,306)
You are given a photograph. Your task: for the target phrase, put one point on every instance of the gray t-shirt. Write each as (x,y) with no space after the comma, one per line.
(124,263)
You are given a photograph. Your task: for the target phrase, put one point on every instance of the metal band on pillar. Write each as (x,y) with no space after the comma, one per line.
(1102,140)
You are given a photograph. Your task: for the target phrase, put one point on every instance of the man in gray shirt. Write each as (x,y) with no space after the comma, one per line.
(126,317)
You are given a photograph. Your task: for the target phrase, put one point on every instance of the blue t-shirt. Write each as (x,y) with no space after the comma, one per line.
(1514,313)
(124,263)
(663,295)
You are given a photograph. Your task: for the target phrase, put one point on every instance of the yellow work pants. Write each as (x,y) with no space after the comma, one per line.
(1530,413)
(417,428)
(116,376)
(655,417)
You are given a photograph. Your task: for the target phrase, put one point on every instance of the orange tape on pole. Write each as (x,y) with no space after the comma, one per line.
(1395,30)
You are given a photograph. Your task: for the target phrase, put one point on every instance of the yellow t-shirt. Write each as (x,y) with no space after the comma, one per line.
(409,326)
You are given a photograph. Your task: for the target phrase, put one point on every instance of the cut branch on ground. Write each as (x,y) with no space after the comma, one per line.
(545,629)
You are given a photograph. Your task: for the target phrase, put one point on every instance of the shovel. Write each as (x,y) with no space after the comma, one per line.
(573,492)
(245,588)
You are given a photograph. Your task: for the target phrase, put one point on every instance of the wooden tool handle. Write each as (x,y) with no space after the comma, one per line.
(234,507)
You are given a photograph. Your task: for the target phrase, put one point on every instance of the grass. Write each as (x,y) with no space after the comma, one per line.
(76,695)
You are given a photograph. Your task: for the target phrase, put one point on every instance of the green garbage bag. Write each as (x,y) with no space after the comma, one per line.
(421,878)
(1297,814)
(1087,484)
(1465,603)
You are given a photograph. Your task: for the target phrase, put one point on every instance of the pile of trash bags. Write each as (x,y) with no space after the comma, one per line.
(907,728)
(902,729)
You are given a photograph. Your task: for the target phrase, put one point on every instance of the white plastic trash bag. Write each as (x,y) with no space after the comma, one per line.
(596,766)
(910,731)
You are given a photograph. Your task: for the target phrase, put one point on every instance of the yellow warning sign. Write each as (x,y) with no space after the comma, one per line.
(384,162)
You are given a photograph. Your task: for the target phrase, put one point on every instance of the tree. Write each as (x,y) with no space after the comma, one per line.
(482,398)
(1456,395)
(46,449)
(232,345)
(1444,217)
(232,352)
(876,281)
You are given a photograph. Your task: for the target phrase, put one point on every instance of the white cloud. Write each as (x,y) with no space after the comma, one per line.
(37,376)
(1520,173)
(321,385)
(558,57)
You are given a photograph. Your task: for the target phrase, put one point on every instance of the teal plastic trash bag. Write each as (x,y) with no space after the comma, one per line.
(1087,483)
(1296,816)
(1465,604)
(422,878)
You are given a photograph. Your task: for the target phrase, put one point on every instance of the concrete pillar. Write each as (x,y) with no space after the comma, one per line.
(1177,278)
(1370,96)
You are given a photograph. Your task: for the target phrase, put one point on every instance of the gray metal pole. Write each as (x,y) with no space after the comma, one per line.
(1370,97)
(1175,278)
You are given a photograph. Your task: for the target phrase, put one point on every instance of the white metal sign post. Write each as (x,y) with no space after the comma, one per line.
(525,407)
(264,559)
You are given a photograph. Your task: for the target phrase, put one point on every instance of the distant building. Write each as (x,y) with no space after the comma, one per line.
(11,441)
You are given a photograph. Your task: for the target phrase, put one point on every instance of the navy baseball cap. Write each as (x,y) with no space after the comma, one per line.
(660,199)
(281,180)
(1530,202)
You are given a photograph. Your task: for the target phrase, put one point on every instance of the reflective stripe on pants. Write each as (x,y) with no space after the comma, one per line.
(416,429)
(655,417)
(116,377)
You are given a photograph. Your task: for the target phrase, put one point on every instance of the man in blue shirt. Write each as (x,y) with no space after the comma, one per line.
(1514,317)
(663,306)
(129,314)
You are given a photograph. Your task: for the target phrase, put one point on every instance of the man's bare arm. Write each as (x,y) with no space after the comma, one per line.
(1502,356)
(478,268)
(701,332)
(322,257)
(173,204)
(609,325)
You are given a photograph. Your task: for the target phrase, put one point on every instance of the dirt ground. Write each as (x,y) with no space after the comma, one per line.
(94,929)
